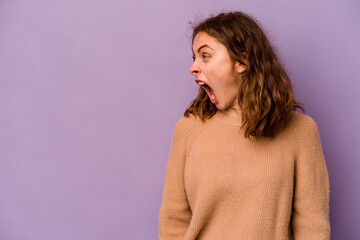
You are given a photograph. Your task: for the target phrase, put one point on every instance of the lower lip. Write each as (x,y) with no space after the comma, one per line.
(214,101)
(209,93)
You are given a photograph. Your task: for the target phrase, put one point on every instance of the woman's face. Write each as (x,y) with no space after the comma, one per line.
(213,66)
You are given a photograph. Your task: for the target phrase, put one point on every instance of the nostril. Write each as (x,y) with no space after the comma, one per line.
(194,72)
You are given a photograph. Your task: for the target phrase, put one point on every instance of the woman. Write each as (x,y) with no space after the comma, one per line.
(243,163)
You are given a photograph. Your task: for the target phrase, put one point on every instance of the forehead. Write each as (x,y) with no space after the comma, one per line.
(203,38)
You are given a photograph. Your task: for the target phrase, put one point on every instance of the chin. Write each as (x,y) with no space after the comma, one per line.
(220,107)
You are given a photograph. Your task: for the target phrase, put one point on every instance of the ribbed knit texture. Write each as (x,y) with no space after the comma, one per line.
(221,186)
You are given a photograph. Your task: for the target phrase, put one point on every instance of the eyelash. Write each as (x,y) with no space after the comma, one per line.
(202,56)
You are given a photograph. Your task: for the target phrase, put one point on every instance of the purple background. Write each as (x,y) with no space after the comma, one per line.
(91,91)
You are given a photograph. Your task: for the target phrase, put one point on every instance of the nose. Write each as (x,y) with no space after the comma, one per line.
(194,70)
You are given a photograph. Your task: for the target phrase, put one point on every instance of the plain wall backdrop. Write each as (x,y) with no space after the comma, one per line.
(91,91)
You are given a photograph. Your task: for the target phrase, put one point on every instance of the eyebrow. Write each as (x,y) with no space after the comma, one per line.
(205,45)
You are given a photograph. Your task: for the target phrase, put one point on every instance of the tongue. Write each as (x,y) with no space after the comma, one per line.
(214,101)
(211,93)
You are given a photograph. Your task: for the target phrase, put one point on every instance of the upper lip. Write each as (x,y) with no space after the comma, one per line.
(198,80)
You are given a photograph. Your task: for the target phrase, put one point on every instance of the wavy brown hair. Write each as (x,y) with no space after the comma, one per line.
(265,96)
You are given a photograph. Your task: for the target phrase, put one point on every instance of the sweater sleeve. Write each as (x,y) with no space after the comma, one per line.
(310,213)
(175,213)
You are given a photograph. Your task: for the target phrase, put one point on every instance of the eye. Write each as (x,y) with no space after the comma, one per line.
(203,56)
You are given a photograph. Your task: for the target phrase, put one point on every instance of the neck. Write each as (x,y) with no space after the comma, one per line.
(226,118)
(232,112)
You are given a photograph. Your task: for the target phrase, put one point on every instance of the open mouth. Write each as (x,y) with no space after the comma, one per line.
(210,92)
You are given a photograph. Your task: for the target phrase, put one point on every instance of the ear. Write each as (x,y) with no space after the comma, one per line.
(240,67)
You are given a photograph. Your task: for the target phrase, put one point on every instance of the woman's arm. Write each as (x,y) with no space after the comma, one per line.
(175,212)
(310,215)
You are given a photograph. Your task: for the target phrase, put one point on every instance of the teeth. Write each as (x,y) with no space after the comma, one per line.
(201,83)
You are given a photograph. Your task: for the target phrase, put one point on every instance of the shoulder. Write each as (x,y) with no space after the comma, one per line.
(304,128)
(303,123)
(184,126)
(187,123)
(188,129)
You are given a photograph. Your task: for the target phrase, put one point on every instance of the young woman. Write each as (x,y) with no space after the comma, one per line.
(243,163)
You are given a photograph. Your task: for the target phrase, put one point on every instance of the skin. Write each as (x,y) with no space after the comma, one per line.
(215,67)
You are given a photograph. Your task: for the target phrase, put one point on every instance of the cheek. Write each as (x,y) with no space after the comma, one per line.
(228,87)
(219,73)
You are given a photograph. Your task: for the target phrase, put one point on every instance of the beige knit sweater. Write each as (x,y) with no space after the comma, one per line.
(222,186)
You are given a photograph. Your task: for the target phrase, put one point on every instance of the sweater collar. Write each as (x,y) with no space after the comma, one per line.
(227,119)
